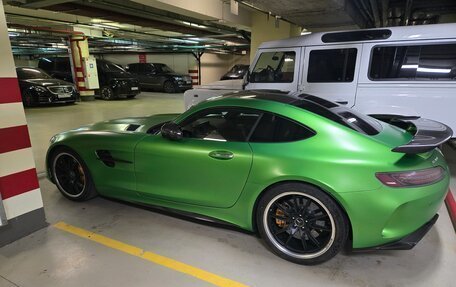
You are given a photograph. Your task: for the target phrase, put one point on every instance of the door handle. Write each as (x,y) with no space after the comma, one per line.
(342,102)
(221,154)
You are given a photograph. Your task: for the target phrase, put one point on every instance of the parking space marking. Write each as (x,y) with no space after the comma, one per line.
(149,256)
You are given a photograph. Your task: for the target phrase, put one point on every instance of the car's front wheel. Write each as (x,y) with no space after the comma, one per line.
(301,223)
(169,87)
(71,175)
(107,93)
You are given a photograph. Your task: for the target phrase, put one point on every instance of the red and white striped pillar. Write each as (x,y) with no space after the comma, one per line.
(194,74)
(79,49)
(21,205)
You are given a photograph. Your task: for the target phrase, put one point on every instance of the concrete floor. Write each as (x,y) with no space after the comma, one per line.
(51,257)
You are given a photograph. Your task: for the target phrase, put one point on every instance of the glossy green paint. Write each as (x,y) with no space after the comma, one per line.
(340,161)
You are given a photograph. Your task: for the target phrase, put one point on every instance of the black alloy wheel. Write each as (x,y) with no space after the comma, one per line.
(107,93)
(301,223)
(169,87)
(71,175)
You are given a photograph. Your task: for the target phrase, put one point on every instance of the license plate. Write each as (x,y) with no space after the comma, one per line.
(64,96)
(189,82)
(134,88)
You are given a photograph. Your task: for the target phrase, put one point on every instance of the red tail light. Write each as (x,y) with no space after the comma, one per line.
(411,178)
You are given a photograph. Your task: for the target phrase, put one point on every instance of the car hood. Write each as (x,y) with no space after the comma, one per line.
(132,124)
(47,82)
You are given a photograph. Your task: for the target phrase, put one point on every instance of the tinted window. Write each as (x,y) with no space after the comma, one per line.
(221,124)
(274,67)
(273,128)
(109,67)
(341,115)
(63,64)
(335,65)
(45,64)
(133,68)
(424,62)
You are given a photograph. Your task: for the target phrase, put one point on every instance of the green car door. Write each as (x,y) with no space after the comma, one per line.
(209,166)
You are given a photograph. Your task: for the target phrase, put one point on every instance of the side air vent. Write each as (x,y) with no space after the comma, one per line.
(132,127)
(106,157)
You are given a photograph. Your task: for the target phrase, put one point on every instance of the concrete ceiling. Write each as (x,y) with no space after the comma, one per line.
(317,15)
(128,26)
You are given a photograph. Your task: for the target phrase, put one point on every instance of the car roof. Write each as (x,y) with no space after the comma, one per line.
(269,95)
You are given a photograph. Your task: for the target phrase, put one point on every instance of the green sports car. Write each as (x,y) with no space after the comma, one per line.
(310,176)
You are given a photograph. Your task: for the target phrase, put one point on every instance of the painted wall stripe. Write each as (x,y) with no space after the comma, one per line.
(150,256)
(451,205)
(14,138)
(18,183)
(12,114)
(10,90)
(23,203)
(16,161)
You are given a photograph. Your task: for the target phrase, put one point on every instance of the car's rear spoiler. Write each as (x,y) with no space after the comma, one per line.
(428,135)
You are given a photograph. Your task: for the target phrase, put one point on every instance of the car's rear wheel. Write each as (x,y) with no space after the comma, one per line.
(169,87)
(71,175)
(107,93)
(301,223)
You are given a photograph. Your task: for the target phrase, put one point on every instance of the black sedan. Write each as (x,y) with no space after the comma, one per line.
(37,87)
(160,77)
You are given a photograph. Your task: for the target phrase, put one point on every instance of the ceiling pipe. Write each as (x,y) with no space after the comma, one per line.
(375,12)
(407,13)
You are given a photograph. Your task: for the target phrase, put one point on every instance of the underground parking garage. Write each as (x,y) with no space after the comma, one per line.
(227,143)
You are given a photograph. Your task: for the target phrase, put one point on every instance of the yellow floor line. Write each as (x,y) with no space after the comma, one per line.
(150,256)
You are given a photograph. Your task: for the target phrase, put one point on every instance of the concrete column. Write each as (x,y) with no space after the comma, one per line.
(80,49)
(264,29)
(21,206)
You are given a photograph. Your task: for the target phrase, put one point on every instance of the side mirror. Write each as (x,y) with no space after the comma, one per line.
(171,131)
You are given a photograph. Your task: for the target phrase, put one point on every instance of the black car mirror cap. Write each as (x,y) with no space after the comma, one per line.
(172,131)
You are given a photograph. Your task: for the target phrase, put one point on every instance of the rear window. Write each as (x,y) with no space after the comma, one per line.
(341,115)
(413,63)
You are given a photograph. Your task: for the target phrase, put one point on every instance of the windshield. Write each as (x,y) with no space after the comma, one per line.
(32,73)
(274,67)
(111,67)
(163,68)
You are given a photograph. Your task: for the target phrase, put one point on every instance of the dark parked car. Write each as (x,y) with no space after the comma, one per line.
(37,87)
(160,77)
(114,80)
(236,72)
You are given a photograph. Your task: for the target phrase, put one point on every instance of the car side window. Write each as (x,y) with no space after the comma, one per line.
(221,124)
(274,67)
(412,63)
(332,66)
(274,129)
